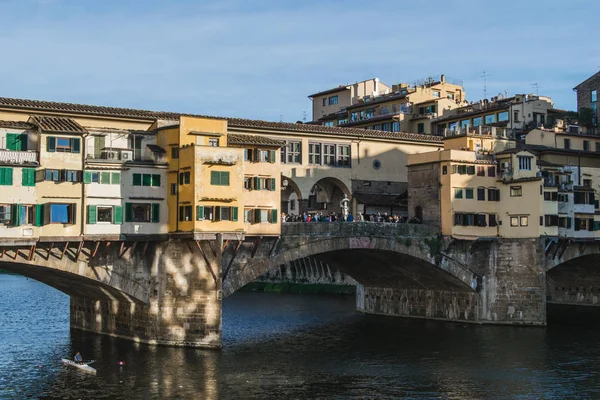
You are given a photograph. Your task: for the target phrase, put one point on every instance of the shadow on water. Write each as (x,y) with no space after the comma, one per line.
(293,346)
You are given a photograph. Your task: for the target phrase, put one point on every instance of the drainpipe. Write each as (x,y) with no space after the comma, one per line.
(83,155)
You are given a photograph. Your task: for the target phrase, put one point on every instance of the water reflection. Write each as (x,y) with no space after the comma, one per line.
(292,346)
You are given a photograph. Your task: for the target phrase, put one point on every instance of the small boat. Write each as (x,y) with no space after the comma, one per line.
(84,367)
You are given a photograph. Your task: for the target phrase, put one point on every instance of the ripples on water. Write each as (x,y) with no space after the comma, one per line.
(292,347)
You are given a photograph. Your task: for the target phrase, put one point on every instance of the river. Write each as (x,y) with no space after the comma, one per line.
(284,346)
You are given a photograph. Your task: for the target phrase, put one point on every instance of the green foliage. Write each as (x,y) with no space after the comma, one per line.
(434,244)
(586,117)
(405,241)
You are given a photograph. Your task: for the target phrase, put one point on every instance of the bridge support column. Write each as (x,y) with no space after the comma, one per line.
(184,307)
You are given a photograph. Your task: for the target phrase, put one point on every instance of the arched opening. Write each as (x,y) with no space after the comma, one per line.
(291,197)
(327,194)
(419,213)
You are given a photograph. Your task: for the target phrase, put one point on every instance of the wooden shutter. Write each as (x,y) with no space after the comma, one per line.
(128,212)
(234,213)
(256,154)
(155,212)
(256,183)
(225,178)
(87,177)
(257,216)
(115,178)
(272,187)
(199,213)
(273,216)
(50,144)
(75,145)
(215,178)
(39,214)
(92,214)
(146,180)
(28,177)
(15,214)
(12,140)
(117,215)
(72,213)
(272,155)
(217,213)
(155,180)
(105,178)
(137,179)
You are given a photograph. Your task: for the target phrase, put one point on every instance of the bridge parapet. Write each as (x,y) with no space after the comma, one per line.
(367,229)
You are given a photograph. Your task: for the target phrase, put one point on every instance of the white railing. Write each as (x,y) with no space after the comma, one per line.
(18,157)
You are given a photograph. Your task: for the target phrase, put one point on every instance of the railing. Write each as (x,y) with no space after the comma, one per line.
(478,130)
(18,157)
(357,229)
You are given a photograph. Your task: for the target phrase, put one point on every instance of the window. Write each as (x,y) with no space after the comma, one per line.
(105,214)
(219,178)
(480,171)
(248,183)
(523,221)
(584,197)
(493,194)
(489,119)
(471,170)
(51,175)
(6,176)
(567,143)
(492,220)
(333,100)
(465,122)
(324,101)
(444,170)
(550,220)
(184,178)
(458,193)
(420,127)
(5,213)
(213,142)
(594,96)
(174,152)
(185,213)
(263,155)
(586,145)
(142,212)
(453,126)
(519,221)
(369,113)
(516,116)
(106,178)
(216,213)
(343,159)
(395,126)
(516,191)
(481,194)
(248,215)
(248,154)
(468,193)
(503,116)
(147,179)
(477,121)
(491,171)
(450,96)
(328,154)
(264,216)
(75,176)
(16,141)
(291,153)
(525,163)
(173,188)
(62,213)
(587,183)
(436,93)
(63,144)
(563,198)
(314,153)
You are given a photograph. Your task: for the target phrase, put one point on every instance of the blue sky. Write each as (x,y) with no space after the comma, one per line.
(261,59)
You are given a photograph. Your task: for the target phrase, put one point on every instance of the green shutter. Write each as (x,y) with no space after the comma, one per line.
(128,212)
(23,139)
(28,177)
(234,213)
(273,216)
(51,144)
(155,180)
(137,179)
(6,176)
(155,212)
(116,178)
(12,141)
(146,180)
(272,188)
(105,178)
(256,183)
(117,215)
(199,213)
(214,178)
(15,214)
(92,214)
(272,156)
(225,178)
(87,177)
(256,216)
(75,145)
(39,214)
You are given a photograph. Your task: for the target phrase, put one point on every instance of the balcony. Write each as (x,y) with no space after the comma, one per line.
(18,157)
(114,155)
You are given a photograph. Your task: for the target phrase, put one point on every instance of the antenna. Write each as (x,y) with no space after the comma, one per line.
(536,86)
(303,116)
(484,75)
(280,117)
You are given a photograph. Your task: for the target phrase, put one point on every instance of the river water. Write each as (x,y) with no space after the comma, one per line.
(279,346)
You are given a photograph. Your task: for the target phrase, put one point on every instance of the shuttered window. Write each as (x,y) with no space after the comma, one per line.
(28,177)
(6,176)
(219,178)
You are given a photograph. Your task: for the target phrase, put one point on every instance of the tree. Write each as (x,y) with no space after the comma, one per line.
(586,117)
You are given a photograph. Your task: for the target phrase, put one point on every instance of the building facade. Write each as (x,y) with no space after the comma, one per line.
(587,95)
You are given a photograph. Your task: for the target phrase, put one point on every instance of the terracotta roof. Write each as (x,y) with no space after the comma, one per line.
(15,125)
(233,122)
(233,138)
(57,124)
(490,108)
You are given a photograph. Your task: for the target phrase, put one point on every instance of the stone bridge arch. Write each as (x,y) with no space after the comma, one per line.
(341,245)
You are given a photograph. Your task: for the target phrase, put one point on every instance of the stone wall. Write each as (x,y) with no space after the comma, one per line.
(307,271)
(424,192)
(584,91)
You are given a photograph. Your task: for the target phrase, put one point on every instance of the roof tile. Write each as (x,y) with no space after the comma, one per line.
(57,124)
(234,139)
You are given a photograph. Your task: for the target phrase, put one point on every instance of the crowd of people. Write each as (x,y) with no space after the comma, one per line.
(337,217)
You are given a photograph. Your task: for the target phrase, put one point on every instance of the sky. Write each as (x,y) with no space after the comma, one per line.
(261,59)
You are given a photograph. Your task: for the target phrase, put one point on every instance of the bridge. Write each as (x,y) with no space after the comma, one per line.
(170,292)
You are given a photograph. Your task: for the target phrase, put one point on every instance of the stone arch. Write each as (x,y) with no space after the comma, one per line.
(293,193)
(326,193)
(575,281)
(327,249)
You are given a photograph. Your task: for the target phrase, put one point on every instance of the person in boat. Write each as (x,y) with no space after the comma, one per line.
(78,358)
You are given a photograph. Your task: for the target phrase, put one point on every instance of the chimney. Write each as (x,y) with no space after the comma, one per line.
(443,78)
